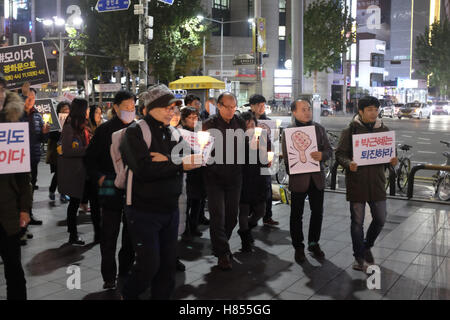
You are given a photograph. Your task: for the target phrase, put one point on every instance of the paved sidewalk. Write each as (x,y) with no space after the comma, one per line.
(413,252)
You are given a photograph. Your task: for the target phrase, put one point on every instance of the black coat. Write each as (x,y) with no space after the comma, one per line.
(36,123)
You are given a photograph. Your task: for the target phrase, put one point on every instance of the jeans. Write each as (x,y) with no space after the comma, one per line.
(15,277)
(154,237)
(296,220)
(245,219)
(223,202)
(109,232)
(357,210)
(268,213)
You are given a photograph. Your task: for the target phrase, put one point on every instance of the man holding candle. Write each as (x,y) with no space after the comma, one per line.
(223,179)
(307,184)
(258,108)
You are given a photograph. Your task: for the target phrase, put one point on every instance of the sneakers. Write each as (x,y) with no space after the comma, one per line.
(224,263)
(109,285)
(35,187)
(180,266)
(51,196)
(76,241)
(35,222)
(63,198)
(368,257)
(29,235)
(270,222)
(316,251)
(300,254)
(360,265)
(23,240)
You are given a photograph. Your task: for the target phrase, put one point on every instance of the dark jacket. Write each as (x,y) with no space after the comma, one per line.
(156,185)
(195,186)
(204,115)
(52,144)
(99,163)
(368,183)
(36,123)
(222,173)
(254,184)
(71,167)
(300,182)
(16,191)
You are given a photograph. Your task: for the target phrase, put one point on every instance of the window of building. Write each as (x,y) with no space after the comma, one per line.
(282,5)
(282,32)
(221,4)
(221,11)
(377,60)
(376,79)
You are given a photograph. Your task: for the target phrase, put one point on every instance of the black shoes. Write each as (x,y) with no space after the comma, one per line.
(51,196)
(204,221)
(246,238)
(34,222)
(300,254)
(75,240)
(270,222)
(109,285)
(196,233)
(35,187)
(316,251)
(368,257)
(224,262)
(180,266)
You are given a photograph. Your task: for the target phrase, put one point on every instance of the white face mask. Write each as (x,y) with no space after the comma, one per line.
(212,109)
(127,116)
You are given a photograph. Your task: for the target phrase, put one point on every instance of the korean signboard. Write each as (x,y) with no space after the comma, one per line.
(14,147)
(300,143)
(373,148)
(46,108)
(24,63)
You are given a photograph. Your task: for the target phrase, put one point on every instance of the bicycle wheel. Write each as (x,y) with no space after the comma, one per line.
(328,166)
(443,188)
(281,175)
(403,174)
(386,174)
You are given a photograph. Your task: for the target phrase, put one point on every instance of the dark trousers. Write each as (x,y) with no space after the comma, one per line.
(247,219)
(223,203)
(72,210)
(14,275)
(110,229)
(201,214)
(296,220)
(34,172)
(357,210)
(54,183)
(268,213)
(194,207)
(154,237)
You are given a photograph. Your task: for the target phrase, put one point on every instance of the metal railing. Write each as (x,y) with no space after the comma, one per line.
(422,167)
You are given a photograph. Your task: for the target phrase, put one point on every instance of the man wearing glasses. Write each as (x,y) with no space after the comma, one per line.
(223,180)
(153,215)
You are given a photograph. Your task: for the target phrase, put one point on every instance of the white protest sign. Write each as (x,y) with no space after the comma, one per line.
(196,144)
(270,126)
(300,143)
(373,148)
(62,118)
(14,147)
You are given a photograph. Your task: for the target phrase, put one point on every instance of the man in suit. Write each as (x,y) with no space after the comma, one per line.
(307,184)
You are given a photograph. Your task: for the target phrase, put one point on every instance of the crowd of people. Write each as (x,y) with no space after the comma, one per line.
(155,199)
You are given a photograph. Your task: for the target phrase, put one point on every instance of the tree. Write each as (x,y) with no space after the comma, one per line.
(177,34)
(432,51)
(327,35)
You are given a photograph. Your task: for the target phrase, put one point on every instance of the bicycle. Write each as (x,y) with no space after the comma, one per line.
(442,178)
(328,164)
(404,168)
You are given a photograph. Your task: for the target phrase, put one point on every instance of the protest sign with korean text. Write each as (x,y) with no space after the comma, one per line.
(300,143)
(24,63)
(47,109)
(14,147)
(373,148)
(203,145)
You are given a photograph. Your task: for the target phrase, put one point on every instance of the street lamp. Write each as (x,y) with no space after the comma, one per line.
(221,22)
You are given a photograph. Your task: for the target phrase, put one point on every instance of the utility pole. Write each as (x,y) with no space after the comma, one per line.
(258,56)
(297,47)
(145,34)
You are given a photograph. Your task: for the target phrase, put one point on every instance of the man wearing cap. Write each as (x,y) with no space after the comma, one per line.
(258,108)
(153,215)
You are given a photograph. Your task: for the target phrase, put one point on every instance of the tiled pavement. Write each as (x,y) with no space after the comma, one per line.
(413,252)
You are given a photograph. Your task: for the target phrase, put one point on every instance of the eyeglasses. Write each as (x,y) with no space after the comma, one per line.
(233,107)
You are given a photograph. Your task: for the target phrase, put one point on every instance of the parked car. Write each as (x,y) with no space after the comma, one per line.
(326,110)
(415,110)
(397,108)
(386,108)
(440,107)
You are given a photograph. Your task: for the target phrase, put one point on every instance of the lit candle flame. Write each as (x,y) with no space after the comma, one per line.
(279,121)
(270,155)
(258,132)
(46,118)
(203,138)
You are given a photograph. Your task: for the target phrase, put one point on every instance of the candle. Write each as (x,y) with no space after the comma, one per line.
(46,117)
(270,155)
(203,138)
(258,132)
(279,121)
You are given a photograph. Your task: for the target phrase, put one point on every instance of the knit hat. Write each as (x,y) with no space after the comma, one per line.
(159,96)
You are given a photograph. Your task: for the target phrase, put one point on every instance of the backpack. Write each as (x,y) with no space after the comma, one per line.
(122,171)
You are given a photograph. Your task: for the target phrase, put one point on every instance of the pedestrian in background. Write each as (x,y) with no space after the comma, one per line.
(72,177)
(52,154)
(365,184)
(101,171)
